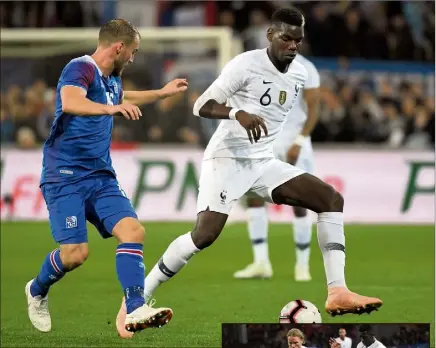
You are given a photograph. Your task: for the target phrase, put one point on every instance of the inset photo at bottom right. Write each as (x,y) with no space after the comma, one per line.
(326,335)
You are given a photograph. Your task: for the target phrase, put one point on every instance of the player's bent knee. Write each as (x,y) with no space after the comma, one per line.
(333,202)
(73,255)
(338,202)
(129,230)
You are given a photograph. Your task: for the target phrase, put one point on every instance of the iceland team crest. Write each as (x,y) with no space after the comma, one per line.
(71,221)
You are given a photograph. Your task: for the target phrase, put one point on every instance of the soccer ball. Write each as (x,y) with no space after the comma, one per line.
(300,311)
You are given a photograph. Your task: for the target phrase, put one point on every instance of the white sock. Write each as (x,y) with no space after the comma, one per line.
(174,258)
(331,240)
(258,232)
(302,237)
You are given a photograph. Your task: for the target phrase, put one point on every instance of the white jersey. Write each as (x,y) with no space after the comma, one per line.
(252,83)
(346,343)
(298,115)
(376,344)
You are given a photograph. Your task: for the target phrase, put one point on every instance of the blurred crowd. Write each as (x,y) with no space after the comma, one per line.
(26,114)
(317,336)
(375,110)
(39,14)
(408,335)
(397,30)
(392,109)
(394,115)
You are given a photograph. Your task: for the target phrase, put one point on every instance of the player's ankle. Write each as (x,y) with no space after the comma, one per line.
(133,304)
(335,288)
(36,290)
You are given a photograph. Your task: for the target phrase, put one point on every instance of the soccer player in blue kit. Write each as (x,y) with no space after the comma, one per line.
(79,183)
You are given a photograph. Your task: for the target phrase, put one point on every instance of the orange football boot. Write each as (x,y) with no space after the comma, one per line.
(341,301)
(121,318)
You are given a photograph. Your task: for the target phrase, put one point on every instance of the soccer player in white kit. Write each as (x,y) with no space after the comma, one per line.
(293,145)
(343,340)
(367,338)
(263,82)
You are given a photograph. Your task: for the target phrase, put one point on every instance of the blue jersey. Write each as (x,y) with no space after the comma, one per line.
(78,146)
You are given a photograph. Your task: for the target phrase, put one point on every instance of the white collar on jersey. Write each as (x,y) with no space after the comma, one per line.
(375,343)
(91,60)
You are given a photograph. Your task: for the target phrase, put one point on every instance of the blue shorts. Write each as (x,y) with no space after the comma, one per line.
(98,199)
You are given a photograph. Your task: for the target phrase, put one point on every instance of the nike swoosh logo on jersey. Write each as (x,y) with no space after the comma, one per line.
(266,82)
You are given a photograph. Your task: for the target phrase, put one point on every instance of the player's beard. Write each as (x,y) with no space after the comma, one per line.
(118,68)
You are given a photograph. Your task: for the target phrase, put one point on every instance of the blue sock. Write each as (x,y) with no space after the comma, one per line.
(52,270)
(131,273)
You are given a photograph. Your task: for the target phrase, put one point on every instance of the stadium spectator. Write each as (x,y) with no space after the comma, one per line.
(317,336)
(389,109)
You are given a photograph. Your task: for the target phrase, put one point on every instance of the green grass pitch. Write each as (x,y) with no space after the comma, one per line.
(395,263)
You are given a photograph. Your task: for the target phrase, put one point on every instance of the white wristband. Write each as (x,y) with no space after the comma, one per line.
(300,140)
(232,113)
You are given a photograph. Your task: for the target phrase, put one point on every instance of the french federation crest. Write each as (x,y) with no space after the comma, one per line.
(282,97)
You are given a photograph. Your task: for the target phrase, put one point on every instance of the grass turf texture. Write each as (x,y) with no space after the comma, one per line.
(395,263)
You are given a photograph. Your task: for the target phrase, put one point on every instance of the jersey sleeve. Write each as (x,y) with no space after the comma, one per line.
(313,79)
(78,74)
(231,79)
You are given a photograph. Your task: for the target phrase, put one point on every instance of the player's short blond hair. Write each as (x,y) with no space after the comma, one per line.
(296,333)
(118,30)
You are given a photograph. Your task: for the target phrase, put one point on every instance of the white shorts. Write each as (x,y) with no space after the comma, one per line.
(223,181)
(305,160)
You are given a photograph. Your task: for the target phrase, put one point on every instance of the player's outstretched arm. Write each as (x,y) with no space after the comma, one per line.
(148,97)
(74,102)
(253,124)
(212,103)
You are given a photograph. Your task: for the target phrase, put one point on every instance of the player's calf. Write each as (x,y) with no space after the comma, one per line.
(257,225)
(73,255)
(308,191)
(129,261)
(207,229)
(302,228)
(55,265)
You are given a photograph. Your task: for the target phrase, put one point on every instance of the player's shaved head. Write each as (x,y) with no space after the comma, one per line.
(118,30)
